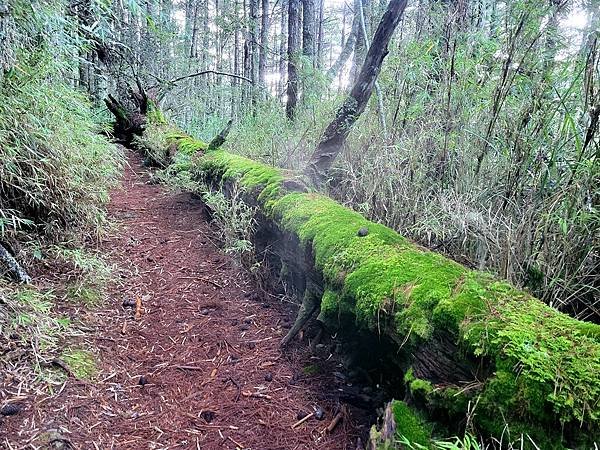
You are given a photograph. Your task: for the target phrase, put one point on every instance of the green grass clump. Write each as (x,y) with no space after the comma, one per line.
(84,293)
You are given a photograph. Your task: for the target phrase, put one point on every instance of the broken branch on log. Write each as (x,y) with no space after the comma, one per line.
(219,139)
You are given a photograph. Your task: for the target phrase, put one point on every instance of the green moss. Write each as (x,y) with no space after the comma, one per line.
(310,370)
(81,362)
(558,365)
(185,144)
(253,176)
(409,425)
(380,272)
(423,386)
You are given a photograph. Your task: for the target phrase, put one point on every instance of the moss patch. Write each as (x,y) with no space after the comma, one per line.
(81,362)
(409,425)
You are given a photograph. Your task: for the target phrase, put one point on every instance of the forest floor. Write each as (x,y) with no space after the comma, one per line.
(200,367)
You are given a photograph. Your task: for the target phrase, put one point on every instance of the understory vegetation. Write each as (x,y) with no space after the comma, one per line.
(56,168)
(484,145)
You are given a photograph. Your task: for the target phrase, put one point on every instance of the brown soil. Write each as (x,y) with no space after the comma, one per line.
(207,342)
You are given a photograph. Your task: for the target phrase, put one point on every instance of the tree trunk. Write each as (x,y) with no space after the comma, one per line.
(380,110)
(264,44)
(347,48)
(236,61)
(292,52)
(336,133)
(282,47)
(308,29)
(253,28)
(359,43)
(320,35)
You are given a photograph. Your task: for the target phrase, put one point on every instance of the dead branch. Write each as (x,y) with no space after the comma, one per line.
(205,72)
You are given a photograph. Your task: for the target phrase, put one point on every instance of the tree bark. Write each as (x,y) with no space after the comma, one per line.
(320,35)
(236,61)
(308,30)
(264,43)
(282,47)
(13,267)
(336,133)
(292,52)
(253,29)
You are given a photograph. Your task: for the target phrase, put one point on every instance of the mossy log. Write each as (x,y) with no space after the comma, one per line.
(462,339)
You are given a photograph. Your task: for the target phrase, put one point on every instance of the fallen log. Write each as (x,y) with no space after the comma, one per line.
(461,336)
(459,339)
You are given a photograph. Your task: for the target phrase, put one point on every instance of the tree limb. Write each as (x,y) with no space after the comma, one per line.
(204,72)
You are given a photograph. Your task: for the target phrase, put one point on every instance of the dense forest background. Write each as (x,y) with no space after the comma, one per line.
(480,141)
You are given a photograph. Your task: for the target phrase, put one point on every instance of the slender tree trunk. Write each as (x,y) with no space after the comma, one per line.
(253,29)
(347,47)
(264,44)
(193,45)
(359,43)
(308,29)
(320,36)
(236,59)
(336,133)
(380,110)
(292,52)
(282,47)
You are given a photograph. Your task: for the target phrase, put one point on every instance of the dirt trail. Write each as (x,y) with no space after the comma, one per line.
(206,342)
